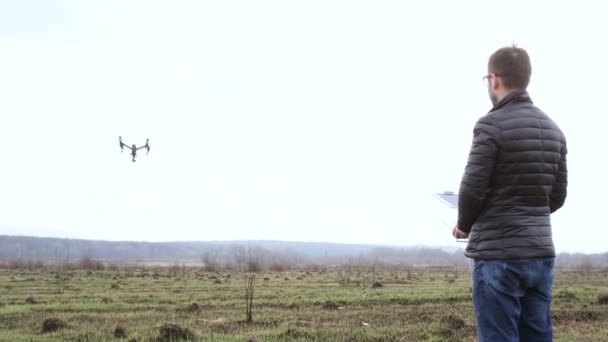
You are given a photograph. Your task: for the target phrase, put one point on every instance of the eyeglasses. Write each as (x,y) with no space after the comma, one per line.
(486,78)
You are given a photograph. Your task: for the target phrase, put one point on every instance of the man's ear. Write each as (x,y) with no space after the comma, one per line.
(496,83)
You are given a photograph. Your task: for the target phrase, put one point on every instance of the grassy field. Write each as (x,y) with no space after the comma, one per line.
(406,304)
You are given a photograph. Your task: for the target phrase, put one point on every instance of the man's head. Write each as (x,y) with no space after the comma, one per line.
(509,70)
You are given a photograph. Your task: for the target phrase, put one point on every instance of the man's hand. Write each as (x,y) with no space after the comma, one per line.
(458,234)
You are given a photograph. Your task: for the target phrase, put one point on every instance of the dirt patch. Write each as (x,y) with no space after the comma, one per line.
(120,332)
(222,326)
(453,322)
(294,333)
(587,316)
(53,324)
(31,300)
(301,323)
(193,308)
(330,305)
(292,306)
(575,316)
(566,296)
(173,332)
(452,327)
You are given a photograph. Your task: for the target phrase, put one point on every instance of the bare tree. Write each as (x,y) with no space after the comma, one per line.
(60,271)
(586,264)
(210,259)
(239,255)
(249,287)
(253,267)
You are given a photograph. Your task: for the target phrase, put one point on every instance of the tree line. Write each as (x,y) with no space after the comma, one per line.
(267,254)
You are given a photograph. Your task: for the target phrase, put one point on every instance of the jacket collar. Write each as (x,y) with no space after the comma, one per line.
(514,96)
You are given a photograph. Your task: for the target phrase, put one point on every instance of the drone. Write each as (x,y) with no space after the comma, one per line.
(134,148)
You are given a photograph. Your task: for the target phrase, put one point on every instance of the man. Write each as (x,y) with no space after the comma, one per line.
(515,177)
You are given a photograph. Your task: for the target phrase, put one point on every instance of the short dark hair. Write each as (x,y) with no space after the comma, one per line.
(512,64)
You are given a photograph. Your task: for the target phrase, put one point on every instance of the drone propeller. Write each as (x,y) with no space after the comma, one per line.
(120,142)
(147,146)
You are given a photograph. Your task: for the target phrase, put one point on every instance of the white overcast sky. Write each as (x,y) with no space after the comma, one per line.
(293,120)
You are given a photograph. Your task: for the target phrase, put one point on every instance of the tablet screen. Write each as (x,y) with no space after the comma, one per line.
(449,198)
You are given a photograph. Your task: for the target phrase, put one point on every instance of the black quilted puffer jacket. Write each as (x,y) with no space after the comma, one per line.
(515,177)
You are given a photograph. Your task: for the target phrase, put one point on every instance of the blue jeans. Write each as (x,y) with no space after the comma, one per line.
(512,299)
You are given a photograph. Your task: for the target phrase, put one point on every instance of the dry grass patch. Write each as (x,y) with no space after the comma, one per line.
(170,332)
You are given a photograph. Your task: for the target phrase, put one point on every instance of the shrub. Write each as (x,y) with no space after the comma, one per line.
(174,270)
(88,263)
(278,267)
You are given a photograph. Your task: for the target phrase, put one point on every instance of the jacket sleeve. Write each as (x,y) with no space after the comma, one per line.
(559,191)
(478,172)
